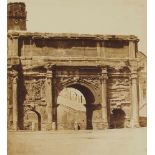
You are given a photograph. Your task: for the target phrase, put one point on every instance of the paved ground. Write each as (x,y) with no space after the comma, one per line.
(106,142)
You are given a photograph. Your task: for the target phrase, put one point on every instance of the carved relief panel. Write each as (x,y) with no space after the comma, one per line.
(35,98)
(35,89)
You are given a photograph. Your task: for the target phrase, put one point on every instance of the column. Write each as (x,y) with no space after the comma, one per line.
(23,48)
(49,98)
(10,46)
(89,115)
(15,101)
(134,121)
(30,47)
(132,49)
(104,78)
(140,93)
(98,49)
(103,52)
(15,46)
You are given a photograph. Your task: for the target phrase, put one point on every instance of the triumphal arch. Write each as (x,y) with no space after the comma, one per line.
(107,69)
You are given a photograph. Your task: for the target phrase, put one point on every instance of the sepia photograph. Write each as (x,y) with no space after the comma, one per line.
(76,77)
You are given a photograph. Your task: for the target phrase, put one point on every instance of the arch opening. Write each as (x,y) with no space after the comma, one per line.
(75,108)
(117,118)
(32,120)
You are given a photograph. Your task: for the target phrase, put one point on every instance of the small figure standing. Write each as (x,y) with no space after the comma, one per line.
(53,126)
(79,127)
(75,125)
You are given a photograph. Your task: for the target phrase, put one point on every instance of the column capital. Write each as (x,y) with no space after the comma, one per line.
(49,74)
(133,75)
(13,36)
(14,73)
(103,73)
(15,80)
(104,69)
(49,66)
(15,76)
(133,65)
(103,77)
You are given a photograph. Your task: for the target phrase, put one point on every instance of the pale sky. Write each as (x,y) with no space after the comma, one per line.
(88,16)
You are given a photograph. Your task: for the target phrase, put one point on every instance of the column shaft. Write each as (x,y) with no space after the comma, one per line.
(49,98)
(98,49)
(15,47)
(132,49)
(23,48)
(104,97)
(135,106)
(140,95)
(103,53)
(15,104)
(104,100)
(10,47)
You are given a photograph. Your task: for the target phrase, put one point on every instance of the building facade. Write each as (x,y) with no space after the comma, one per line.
(108,70)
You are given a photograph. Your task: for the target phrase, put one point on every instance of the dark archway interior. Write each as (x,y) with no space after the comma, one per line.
(117,118)
(85,91)
(90,99)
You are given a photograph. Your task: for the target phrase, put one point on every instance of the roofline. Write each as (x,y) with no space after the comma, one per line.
(41,35)
(16,3)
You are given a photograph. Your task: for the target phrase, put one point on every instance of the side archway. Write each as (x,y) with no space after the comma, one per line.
(117,118)
(32,120)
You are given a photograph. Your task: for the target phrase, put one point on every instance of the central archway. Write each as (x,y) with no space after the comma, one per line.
(85,113)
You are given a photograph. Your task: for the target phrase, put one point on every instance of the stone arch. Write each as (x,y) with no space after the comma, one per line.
(117,118)
(89,95)
(32,120)
(80,85)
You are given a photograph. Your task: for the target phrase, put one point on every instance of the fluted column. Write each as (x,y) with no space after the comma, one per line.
(134,121)
(49,97)
(104,78)
(15,100)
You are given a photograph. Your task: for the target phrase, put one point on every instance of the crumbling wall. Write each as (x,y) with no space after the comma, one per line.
(119,96)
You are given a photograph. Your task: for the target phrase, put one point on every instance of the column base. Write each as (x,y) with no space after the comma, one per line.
(48,126)
(15,126)
(54,127)
(134,124)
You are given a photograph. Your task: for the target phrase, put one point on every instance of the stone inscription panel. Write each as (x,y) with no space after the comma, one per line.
(71,48)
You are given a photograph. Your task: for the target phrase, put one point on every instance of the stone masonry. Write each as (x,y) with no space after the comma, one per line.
(108,70)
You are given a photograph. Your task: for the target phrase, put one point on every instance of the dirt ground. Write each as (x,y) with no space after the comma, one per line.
(105,142)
